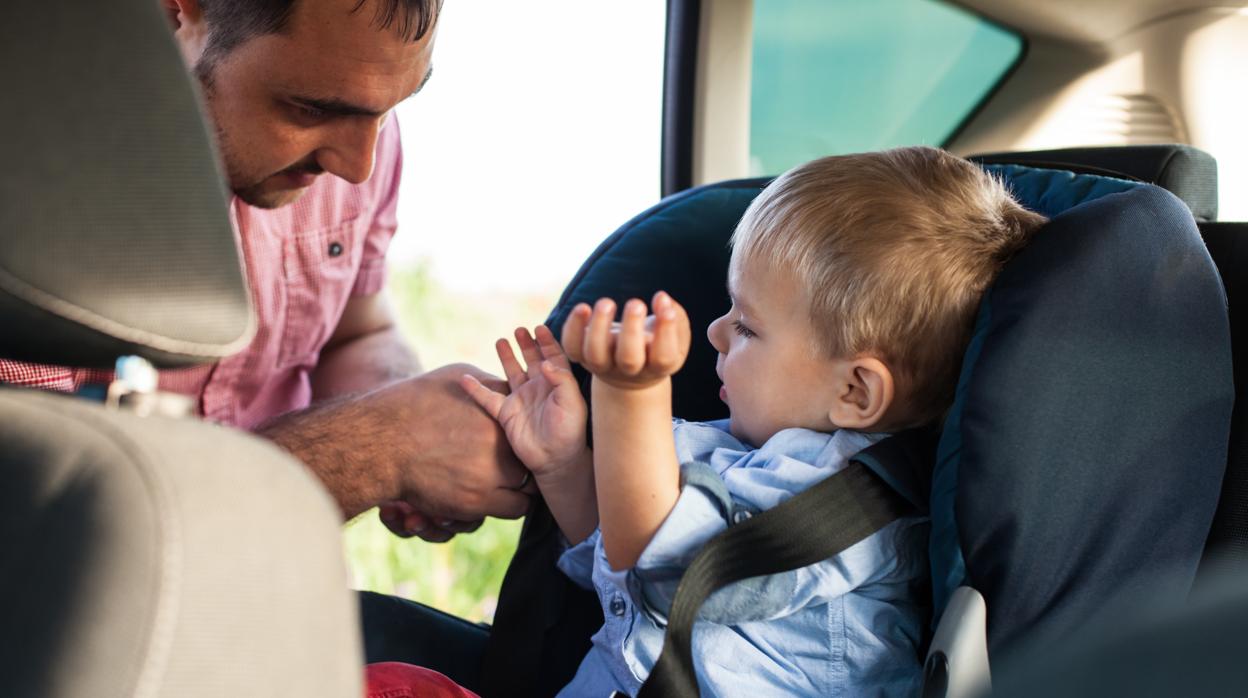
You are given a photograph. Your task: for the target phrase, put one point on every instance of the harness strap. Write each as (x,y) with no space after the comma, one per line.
(810,527)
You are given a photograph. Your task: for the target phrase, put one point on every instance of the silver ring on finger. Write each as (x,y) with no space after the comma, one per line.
(528,475)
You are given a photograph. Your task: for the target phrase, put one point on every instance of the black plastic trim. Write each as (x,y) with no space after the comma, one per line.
(680,67)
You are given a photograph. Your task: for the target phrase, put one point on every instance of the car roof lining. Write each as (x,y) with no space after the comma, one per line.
(1086,21)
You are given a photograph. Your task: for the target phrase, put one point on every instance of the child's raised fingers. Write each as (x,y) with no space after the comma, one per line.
(597,349)
(684,332)
(573,333)
(630,345)
(671,333)
(557,375)
(549,346)
(511,367)
(489,400)
(528,349)
(566,391)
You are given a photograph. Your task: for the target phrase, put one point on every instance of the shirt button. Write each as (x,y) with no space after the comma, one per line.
(617,606)
(335,249)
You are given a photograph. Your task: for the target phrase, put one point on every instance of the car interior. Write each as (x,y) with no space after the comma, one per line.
(143,555)
(1092,469)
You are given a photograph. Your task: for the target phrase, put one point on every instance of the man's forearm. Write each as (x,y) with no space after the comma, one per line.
(326,438)
(421,440)
(362,364)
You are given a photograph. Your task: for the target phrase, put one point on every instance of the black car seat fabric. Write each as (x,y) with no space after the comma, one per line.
(1179,647)
(1084,454)
(1189,173)
(1228,539)
(681,245)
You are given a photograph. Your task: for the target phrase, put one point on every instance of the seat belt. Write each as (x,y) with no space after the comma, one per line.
(812,526)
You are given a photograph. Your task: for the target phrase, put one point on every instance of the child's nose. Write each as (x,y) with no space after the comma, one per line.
(715,333)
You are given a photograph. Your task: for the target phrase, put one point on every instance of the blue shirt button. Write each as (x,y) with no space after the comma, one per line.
(617,606)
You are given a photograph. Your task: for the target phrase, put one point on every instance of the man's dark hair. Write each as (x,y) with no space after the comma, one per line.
(232,22)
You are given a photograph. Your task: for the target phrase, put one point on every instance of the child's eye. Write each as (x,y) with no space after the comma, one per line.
(742,329)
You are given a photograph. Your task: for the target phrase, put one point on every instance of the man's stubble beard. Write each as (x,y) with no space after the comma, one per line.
(250,193)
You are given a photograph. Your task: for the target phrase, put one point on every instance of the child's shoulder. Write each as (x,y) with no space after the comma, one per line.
(818,447)
(696,441)
(702,441)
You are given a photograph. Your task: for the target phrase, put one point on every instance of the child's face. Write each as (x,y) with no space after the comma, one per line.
(773,376)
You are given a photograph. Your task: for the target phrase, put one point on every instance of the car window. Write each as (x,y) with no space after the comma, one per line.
(514,171)
(833,77)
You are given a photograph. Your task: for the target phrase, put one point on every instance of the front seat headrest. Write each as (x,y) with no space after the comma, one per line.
(113,214)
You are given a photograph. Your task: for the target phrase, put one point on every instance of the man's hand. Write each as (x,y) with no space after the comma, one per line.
(404,521)
(421,441)
(636,353)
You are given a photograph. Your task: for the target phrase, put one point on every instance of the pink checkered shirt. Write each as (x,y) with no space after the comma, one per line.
(303,262)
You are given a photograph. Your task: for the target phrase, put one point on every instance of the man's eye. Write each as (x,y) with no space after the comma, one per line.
(741,329)
(309,113)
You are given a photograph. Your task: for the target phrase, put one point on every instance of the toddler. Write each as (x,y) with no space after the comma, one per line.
(854,282)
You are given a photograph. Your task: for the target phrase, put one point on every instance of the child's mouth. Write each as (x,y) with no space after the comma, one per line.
(723,393)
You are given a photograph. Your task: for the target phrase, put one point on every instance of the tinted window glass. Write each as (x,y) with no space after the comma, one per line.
(841,76)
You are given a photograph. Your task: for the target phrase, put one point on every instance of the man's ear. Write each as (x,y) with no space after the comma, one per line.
(864,393)
(186,19)
(181,12)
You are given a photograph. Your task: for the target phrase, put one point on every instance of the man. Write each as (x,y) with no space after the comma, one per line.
(300,94)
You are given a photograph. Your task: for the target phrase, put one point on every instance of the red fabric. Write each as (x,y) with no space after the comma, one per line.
(303,262)
(398,680)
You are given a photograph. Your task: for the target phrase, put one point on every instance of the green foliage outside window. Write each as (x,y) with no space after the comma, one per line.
(462,576)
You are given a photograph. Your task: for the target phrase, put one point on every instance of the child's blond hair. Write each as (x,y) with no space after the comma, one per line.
(894,250)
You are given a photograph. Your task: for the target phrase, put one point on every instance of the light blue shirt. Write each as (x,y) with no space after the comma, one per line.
(849,626)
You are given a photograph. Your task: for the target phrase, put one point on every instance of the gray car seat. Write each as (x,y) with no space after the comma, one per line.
(141,555)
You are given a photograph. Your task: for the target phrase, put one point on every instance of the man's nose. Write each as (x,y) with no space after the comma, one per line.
(349,150)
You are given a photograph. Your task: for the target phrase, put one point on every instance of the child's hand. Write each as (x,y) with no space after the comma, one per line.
(544,416)
(638,352)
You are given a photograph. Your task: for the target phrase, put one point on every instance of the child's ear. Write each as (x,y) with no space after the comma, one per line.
(864,393)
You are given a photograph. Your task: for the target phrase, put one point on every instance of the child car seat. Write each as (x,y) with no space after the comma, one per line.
(1228,539)
(1085,452)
